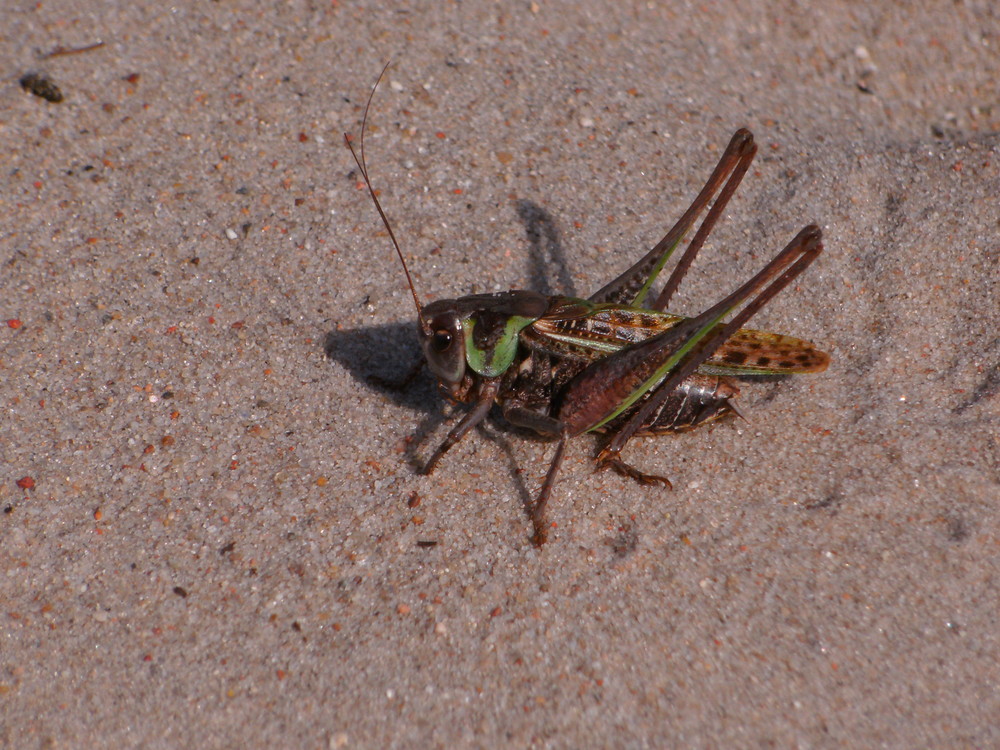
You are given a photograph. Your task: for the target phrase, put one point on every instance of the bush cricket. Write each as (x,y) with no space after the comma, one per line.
(615,363)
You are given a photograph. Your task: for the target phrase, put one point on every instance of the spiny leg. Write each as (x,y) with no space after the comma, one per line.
(711,219)
(709,336)
(631,287)
(619,383)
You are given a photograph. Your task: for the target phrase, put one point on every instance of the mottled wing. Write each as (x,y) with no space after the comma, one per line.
(583,330)
(580,329)
(750,352)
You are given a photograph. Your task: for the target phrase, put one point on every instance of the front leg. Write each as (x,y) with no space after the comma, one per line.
(487,394)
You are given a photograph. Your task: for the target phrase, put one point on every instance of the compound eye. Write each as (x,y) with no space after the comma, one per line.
(443,344)
(441,340)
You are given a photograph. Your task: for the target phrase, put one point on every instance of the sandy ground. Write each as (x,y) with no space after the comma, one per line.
(208,535)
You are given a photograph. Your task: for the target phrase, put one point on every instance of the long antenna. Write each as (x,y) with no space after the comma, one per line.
(363,166)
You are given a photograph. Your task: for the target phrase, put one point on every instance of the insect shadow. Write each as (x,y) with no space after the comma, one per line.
(380,356)
(373,356)
(545,249)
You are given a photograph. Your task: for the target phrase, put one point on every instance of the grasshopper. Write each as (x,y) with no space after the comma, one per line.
(615,363)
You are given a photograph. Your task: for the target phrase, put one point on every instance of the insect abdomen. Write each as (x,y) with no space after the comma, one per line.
(696,401)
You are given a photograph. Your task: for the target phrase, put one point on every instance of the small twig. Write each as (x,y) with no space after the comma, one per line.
(61,51)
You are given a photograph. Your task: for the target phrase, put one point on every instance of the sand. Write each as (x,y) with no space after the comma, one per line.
(214,533)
